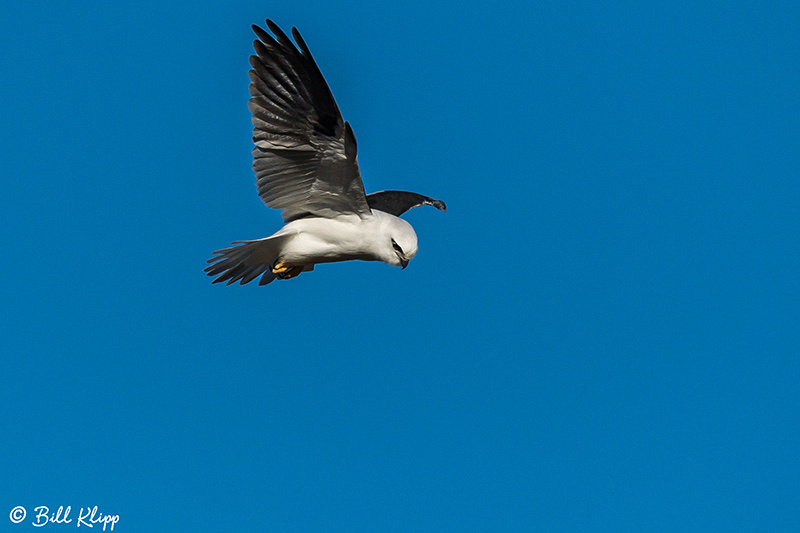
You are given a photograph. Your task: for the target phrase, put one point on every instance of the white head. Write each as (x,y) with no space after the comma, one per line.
(398,240)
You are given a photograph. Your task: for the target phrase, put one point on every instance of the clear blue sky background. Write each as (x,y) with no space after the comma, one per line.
(600,334)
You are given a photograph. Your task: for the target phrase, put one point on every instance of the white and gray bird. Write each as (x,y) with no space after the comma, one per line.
(306,165)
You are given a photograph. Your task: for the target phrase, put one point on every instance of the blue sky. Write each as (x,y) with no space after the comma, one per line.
(600,334)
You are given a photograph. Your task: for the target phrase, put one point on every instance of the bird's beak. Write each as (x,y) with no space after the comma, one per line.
(403,263)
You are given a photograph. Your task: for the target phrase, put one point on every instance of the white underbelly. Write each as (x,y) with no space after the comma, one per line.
(306,249)
(325,241)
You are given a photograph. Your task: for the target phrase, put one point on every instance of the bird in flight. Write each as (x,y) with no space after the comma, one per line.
(306,165)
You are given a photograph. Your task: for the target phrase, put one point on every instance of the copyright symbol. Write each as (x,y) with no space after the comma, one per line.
(17,514)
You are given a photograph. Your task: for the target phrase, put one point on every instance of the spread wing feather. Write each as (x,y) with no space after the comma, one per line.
(305,154)
(398,202)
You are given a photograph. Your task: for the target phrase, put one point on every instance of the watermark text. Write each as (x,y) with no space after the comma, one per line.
(42,516)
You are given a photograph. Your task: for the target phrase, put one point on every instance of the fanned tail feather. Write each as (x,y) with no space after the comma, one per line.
(246,260)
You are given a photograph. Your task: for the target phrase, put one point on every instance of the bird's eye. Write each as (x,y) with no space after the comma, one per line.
(396,246)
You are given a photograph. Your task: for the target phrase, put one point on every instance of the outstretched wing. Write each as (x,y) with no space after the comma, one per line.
(398,202)
(305,155)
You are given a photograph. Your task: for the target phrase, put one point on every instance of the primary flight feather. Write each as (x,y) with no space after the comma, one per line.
(306,165)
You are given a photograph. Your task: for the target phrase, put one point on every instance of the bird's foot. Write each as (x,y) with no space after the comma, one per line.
(292,272)
(279,268)
(284,271)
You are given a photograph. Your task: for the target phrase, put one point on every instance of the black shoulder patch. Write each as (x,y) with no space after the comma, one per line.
(350,145)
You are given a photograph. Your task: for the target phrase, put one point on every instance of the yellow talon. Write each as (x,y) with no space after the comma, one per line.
(291,273)
(279,267)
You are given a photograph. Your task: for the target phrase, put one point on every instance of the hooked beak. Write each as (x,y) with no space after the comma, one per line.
(403,263)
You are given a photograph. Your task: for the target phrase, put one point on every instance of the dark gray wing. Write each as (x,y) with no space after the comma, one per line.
(305,155)
(398,202)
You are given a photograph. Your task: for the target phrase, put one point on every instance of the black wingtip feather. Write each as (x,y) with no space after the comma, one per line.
(299,40)
(440,205)
(279,35)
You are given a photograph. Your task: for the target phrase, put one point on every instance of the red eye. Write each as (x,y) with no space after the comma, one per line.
(396,246)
